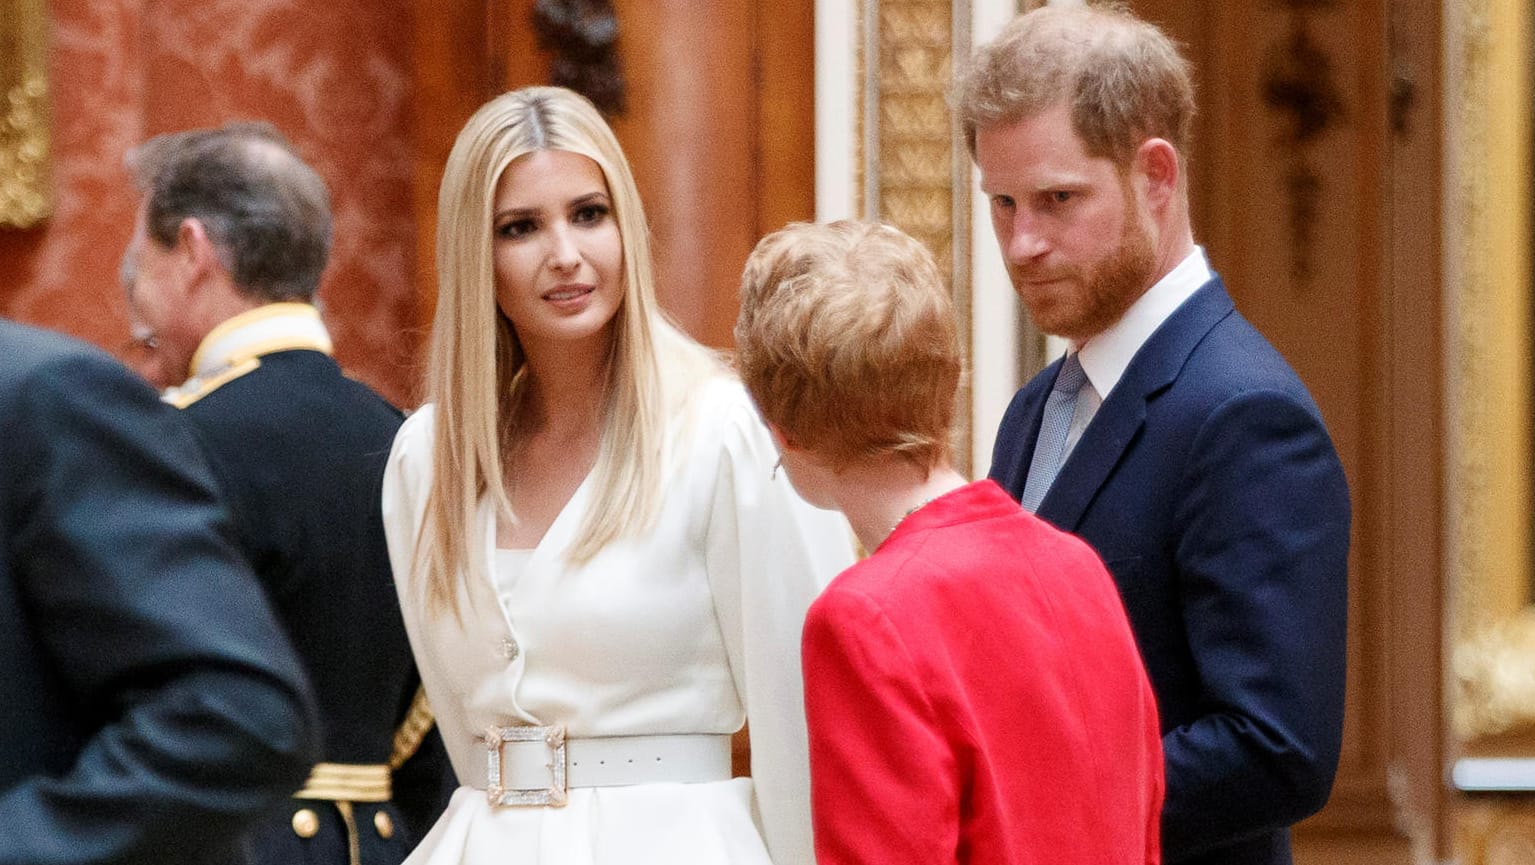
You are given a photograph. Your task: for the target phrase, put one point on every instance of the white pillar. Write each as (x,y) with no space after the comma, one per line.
(993,305)
(836,43)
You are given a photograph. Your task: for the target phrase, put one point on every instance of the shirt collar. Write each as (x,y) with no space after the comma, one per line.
(1105,357)
(263,330)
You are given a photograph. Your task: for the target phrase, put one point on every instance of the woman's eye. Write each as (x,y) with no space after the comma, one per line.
(1060,196)
(590,213)
(516,228)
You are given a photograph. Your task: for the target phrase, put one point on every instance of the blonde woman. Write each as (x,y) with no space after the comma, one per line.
(600,572)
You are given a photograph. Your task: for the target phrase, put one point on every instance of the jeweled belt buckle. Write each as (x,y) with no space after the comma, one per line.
(553,737)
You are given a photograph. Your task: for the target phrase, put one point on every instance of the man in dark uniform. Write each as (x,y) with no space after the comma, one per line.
(228,249)
(150,707)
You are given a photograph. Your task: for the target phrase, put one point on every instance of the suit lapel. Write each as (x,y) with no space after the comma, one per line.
(1119,419)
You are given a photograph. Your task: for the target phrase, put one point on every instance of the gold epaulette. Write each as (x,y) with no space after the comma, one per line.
(418,722)
(183,398)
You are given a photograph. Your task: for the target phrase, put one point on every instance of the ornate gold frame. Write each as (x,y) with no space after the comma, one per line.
(1488,378)
(911,171)
(24,140)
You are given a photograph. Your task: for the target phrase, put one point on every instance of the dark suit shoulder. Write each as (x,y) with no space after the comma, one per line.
(61,398)
(1237,354)
(53,360)
(295,429)
(1235,361)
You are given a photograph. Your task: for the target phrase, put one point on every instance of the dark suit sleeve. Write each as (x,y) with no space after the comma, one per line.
(195,712)
(1262,563)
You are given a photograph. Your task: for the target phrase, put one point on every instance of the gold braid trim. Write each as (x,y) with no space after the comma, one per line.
(418,722)
(353,842)
(183,398)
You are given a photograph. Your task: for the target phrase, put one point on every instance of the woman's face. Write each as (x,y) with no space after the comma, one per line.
(559,260)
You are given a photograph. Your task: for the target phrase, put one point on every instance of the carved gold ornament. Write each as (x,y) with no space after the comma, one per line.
(24,148)
(1489,331)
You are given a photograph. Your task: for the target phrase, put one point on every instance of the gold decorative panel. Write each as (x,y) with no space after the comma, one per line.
(1490,391)
(912,173)
(24,197)
(915,168)
(1489,374)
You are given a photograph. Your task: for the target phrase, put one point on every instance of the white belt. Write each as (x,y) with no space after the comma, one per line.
(537,765)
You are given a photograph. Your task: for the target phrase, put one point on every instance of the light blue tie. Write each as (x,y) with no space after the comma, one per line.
(1050,449)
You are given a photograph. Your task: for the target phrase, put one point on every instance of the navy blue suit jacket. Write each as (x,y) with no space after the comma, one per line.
(150,707)
(1209,485)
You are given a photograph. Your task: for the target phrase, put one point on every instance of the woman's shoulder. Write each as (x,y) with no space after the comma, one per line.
(418,425)
(722,406)
(725,429)
(723,390)
(412,451)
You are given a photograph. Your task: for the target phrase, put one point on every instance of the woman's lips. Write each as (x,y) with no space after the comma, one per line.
(568,295)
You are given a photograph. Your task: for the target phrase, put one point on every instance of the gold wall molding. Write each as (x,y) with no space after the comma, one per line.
(1492,623)
(1494,666)
(1496,831)
(24,140)
(915,138)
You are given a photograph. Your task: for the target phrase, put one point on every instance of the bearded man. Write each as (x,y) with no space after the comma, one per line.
(1171,437)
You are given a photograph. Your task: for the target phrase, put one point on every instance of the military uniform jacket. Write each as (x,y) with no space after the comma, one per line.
(299,450)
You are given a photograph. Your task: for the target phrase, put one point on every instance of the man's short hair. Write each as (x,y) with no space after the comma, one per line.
(266,211)
(1123,78)
(848,344)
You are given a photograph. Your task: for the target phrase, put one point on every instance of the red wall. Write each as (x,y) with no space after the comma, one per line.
(334,77)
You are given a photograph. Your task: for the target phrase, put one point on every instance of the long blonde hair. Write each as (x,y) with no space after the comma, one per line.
(476,364)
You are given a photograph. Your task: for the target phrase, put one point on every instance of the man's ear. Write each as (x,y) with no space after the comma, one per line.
(196,246)
(1157,171)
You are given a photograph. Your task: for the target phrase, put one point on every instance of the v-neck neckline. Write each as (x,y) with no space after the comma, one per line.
(556,534)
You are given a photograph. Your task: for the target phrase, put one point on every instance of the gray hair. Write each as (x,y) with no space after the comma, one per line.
(265,210)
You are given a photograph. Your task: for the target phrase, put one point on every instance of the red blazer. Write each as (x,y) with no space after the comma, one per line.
(974,694)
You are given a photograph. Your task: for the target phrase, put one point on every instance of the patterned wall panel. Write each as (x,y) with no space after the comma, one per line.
(334,77)
(920,179)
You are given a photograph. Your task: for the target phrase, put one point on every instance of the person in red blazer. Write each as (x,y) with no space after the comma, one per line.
(972,688)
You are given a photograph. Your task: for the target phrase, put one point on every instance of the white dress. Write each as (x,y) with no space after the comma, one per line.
(693,628)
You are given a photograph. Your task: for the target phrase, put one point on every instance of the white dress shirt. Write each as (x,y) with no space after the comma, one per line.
(1105,357)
